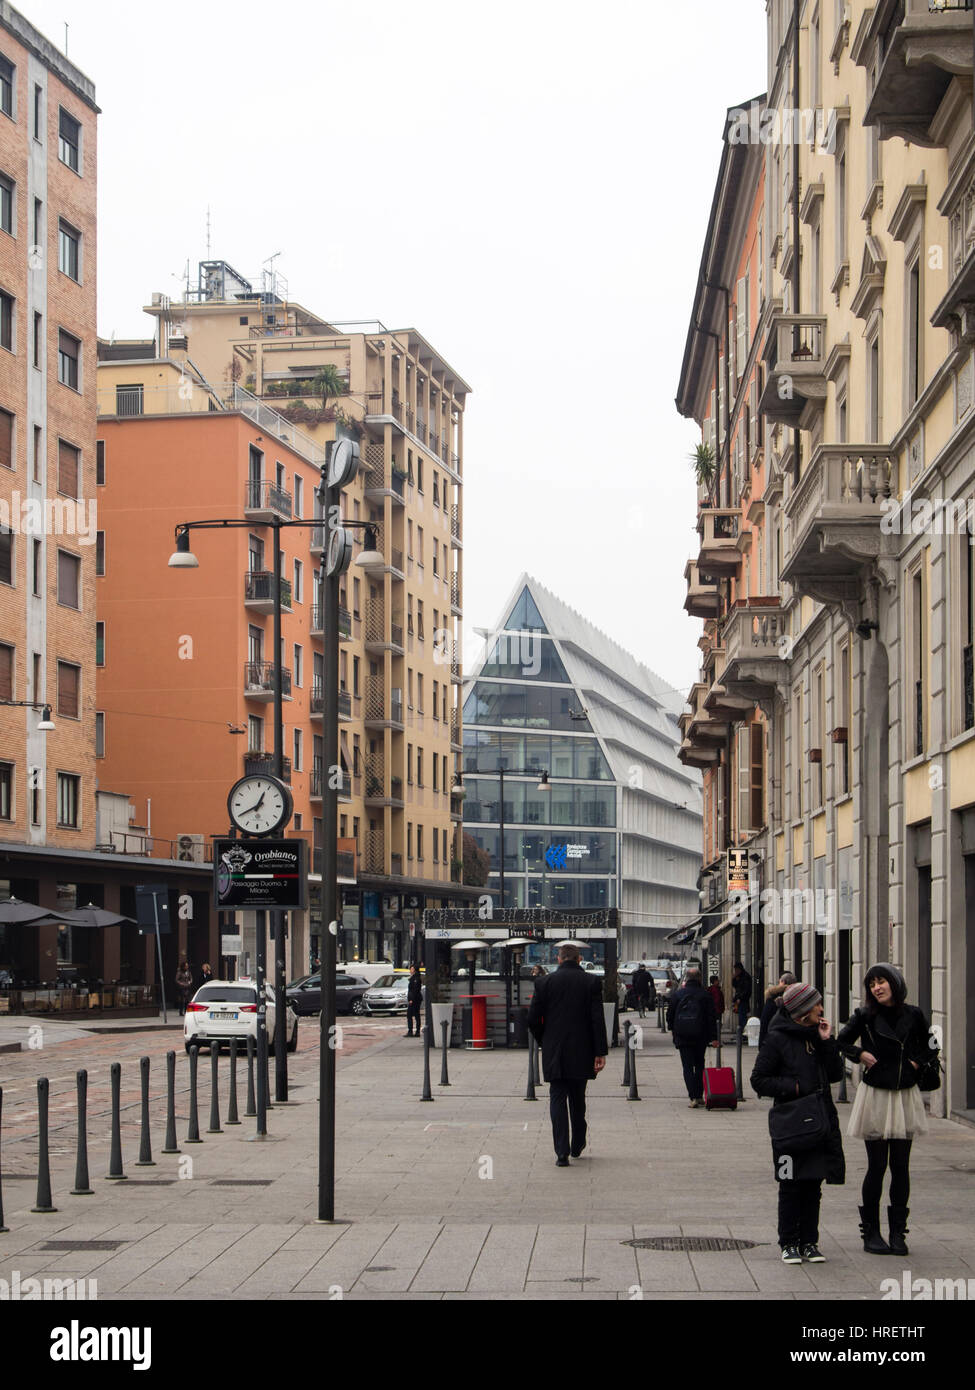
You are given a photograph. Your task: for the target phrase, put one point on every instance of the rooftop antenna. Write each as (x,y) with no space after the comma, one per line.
(208,234)
(66,38)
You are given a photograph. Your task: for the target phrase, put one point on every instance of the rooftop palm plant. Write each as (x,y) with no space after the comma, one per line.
(702,457)
(329,382)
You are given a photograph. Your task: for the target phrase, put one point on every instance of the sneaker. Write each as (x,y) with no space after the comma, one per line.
(813,1255)
(791,1255)
(693,1104)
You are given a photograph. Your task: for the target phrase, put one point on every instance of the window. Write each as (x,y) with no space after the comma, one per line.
(419,692)
(38,112)
(6,556)
(100,463)
(69,363)
(299,498)
(435,558)
(37,568)
(69,142)
(129,400)
(409,764)
(436,700)
(873,390)
(797,752)
(914,332)
(7,187)
(297,589)
(99,553)
(419,545)
(6,791)
(436,771)
(38,247)
(38,454)
(916,668)
(69,469)
(409,840)
(444,846)
(255,734)
(99,644)
(844,702)
(7,71)
(69,250)
(298,665)
(841,217)
(419,488)
(69,579)
(6,672)
(6,321)
(6,439)
(38,340)
(69,796)
(99,735)
(419,767)
(419,618)
(298,750)
(419,843)
(69,690)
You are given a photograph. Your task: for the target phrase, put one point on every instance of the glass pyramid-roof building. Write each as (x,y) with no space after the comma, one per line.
(620,822)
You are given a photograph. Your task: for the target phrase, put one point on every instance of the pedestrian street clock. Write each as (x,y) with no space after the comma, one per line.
(260,805)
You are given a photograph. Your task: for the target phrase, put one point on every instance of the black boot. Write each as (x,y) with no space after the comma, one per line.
(897,1216)
(873,1241)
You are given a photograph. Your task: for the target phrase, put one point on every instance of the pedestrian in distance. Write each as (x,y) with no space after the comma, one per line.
(773,998)
(206,975)
(642,984)
(741,993)
(538,972)
(692,1021)
(800,1058)
(893,1043)
(567,1021)
(414,1003)
(184,986)
(717,999)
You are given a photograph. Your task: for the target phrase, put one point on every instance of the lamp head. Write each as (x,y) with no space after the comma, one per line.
(46,726)
(371,557)
(183,558)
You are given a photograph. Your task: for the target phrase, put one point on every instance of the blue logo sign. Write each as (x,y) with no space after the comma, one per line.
(556,856)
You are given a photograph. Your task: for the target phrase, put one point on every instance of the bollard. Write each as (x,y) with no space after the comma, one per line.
(444,1079)
(232,1099)
(662,1017)
(251,1110)
(530,1088)
(427,1093)
(170,1146)
(43,1163)
(145,1147)
(193,1131)
(3,1229)
(214,1093)
(740,1092)
(626,1053)
(115,1161)
(633,1094)
(82,1185)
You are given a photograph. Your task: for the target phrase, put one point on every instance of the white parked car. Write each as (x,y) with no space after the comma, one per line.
(221,1010)
(387,995)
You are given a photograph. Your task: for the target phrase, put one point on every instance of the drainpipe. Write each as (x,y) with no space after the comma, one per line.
(714,285)
(795,206)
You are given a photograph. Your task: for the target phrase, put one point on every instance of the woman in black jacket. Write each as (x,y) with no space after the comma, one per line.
(895,1041)
(799,1057)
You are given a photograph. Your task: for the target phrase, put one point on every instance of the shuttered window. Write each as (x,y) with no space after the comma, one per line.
(6,556)
(741,325)
(69,690)
(6,439)
(69,469)
(69,576)
(758,775)
(6,673)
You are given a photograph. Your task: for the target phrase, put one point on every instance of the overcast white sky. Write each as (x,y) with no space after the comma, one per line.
(527,184)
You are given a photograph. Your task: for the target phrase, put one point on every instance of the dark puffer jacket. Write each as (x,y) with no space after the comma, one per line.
(794,1054)
(895,1038)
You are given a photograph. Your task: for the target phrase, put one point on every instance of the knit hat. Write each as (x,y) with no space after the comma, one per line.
(799,999)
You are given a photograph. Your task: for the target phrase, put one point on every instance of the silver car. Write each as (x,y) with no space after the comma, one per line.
(387,995)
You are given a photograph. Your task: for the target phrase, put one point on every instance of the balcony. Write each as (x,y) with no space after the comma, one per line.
(259,592)
(259,681)
(720,702)
(455,732)
(378,714)
(375,781)
(834,538)
(918,47)
(455,607)
(700,727)
(455,539)
(345,862)
(377,639)
(756,649)
(374,857)
(719,555)
(319,539)
(703,599)
(263,502)
(318,623)
(256,762)
(318,783)
(380,413)
(795,362)
(316,704)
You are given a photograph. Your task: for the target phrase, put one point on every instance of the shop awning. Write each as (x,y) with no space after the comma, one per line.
(734,920)
(686,933)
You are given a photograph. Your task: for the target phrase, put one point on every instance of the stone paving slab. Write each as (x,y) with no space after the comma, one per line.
(430,1219)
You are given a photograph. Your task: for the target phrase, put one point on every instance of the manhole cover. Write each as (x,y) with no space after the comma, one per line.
(66,1246)
(241,1182)
(692,1243)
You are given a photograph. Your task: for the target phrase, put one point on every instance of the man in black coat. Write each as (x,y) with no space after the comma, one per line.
(567,1020)
(741,993)
(414,1002)
(642,985)
(694,1026)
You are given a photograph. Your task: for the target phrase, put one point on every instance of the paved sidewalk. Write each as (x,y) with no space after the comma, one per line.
(461,1199)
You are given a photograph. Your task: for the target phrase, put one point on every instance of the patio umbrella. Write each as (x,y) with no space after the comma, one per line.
(14,913)
(92,916)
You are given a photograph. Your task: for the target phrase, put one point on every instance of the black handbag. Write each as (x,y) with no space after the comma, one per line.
(798,1124)
(929,1074)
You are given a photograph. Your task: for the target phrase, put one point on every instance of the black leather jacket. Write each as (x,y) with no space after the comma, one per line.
(895,1039)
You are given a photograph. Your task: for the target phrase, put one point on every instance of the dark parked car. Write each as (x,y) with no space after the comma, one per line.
(305,996)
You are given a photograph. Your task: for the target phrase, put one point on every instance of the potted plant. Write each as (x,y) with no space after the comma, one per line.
(702,458)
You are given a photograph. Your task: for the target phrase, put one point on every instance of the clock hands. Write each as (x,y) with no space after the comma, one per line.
(256,807)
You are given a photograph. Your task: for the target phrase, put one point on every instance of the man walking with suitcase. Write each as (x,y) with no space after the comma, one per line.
(694,1026)
(567,1020)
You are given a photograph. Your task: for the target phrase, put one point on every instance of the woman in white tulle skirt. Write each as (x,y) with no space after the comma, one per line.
(892,1042)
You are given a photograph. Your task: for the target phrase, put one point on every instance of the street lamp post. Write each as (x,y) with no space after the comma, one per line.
(46,726)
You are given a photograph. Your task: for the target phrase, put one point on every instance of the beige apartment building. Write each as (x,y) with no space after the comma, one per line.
(867,386)
(230,347)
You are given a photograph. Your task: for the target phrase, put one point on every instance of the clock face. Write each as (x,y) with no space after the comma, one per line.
(259,805)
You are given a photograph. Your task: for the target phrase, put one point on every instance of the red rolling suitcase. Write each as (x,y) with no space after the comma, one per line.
(720,1091)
